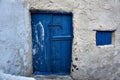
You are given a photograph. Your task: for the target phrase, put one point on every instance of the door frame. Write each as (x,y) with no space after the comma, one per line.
(49,11)
(53,12)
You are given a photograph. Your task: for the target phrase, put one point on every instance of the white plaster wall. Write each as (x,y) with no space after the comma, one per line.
(15,50)
(90,62)
(4,76)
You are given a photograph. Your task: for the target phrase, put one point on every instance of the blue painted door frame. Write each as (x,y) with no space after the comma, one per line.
(52,36)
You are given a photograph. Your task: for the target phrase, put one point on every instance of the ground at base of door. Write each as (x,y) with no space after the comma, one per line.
(52,77)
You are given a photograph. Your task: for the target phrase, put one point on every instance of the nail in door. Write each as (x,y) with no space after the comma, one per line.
(52,36)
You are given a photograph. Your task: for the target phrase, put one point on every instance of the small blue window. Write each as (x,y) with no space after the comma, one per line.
(103,37)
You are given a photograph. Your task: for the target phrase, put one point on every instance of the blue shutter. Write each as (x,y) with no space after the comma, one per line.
(103,37)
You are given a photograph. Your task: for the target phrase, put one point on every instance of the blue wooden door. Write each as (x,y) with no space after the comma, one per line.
(52,36)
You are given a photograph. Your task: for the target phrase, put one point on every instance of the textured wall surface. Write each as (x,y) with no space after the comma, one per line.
(4,76)
(89,62)
(15,41)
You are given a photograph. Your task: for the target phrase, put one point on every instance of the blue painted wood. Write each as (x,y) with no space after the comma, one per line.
(103,37)
(52,50)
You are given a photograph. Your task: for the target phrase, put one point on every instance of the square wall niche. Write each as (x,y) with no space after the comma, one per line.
(104,38)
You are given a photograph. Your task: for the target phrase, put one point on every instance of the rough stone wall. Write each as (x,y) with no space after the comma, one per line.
(4,76)
(89,62)
(15,38)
